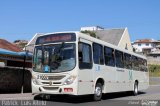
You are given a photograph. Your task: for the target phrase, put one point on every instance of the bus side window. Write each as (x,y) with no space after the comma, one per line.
(109,56)
(127,61)
(119,59)
(135,63)
(98,54)
(85,56)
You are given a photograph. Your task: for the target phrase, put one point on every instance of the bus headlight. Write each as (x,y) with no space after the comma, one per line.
(69,80)
(36,82)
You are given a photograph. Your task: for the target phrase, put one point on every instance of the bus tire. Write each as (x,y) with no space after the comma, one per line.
(97,92)
(135,91)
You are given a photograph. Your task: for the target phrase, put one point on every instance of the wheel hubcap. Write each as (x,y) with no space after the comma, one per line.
(98,91)
(136,89)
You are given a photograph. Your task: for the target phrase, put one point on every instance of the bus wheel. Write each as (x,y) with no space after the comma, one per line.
(98,92)
(135,92)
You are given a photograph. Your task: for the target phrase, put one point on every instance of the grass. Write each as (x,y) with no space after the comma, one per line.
(154,74)
(153,83)
(154,70)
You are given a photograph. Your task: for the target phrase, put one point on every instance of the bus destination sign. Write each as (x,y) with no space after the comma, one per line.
(52,38)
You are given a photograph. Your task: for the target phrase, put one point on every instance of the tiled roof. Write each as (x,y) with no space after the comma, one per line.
(9,46)
(144,41)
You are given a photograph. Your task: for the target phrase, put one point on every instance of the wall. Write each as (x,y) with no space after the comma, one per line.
(11,80)
(153,60)
(125,40)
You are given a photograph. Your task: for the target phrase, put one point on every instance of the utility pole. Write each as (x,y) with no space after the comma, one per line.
(24,65)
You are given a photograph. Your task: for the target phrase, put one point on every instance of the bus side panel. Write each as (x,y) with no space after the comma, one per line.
(143,79)
(85,82)
(108,74)
(85,76)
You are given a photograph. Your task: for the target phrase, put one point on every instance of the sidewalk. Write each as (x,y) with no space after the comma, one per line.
(19,96)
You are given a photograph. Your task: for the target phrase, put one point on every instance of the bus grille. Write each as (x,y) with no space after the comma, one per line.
(48,83)
(52,77)
(50,88)
(45,83)
(55,77)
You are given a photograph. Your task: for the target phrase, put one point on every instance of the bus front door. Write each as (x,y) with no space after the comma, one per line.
(85,73)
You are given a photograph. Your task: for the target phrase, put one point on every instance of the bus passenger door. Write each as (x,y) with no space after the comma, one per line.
(85,74)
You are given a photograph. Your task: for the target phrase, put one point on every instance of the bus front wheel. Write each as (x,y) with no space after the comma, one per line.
(98,92)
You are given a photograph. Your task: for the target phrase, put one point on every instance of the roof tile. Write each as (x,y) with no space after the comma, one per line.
(9,46)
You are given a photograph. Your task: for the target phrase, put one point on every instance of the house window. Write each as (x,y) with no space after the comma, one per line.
(153,45)
(126,47)
(147,44)
(155,56)
(139,44)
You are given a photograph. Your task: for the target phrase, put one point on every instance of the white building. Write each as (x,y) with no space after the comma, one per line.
(145,45)
(91,28)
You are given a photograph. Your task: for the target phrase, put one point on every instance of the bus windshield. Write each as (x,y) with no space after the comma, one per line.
(54,58)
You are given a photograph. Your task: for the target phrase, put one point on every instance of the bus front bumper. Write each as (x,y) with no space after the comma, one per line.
(45,89)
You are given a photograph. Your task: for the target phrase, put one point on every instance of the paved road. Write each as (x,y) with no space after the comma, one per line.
(154,80)
(113,99)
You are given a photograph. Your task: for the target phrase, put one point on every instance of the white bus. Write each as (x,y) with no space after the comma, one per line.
(74,63)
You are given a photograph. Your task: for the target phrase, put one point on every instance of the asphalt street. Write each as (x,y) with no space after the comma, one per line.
(112,99)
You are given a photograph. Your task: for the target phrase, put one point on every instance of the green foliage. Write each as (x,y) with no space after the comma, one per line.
(91,33)
(154,70)
(22,45)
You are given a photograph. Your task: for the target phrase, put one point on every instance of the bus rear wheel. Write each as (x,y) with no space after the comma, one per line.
(98,92)
(135,91)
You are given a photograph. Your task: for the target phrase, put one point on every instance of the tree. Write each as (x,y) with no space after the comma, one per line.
(20,43)
(91,33)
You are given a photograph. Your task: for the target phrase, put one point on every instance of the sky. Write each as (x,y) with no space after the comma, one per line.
(22,19)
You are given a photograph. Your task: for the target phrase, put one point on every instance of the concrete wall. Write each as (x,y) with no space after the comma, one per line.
(11,80)
(125,41)
(153,60)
